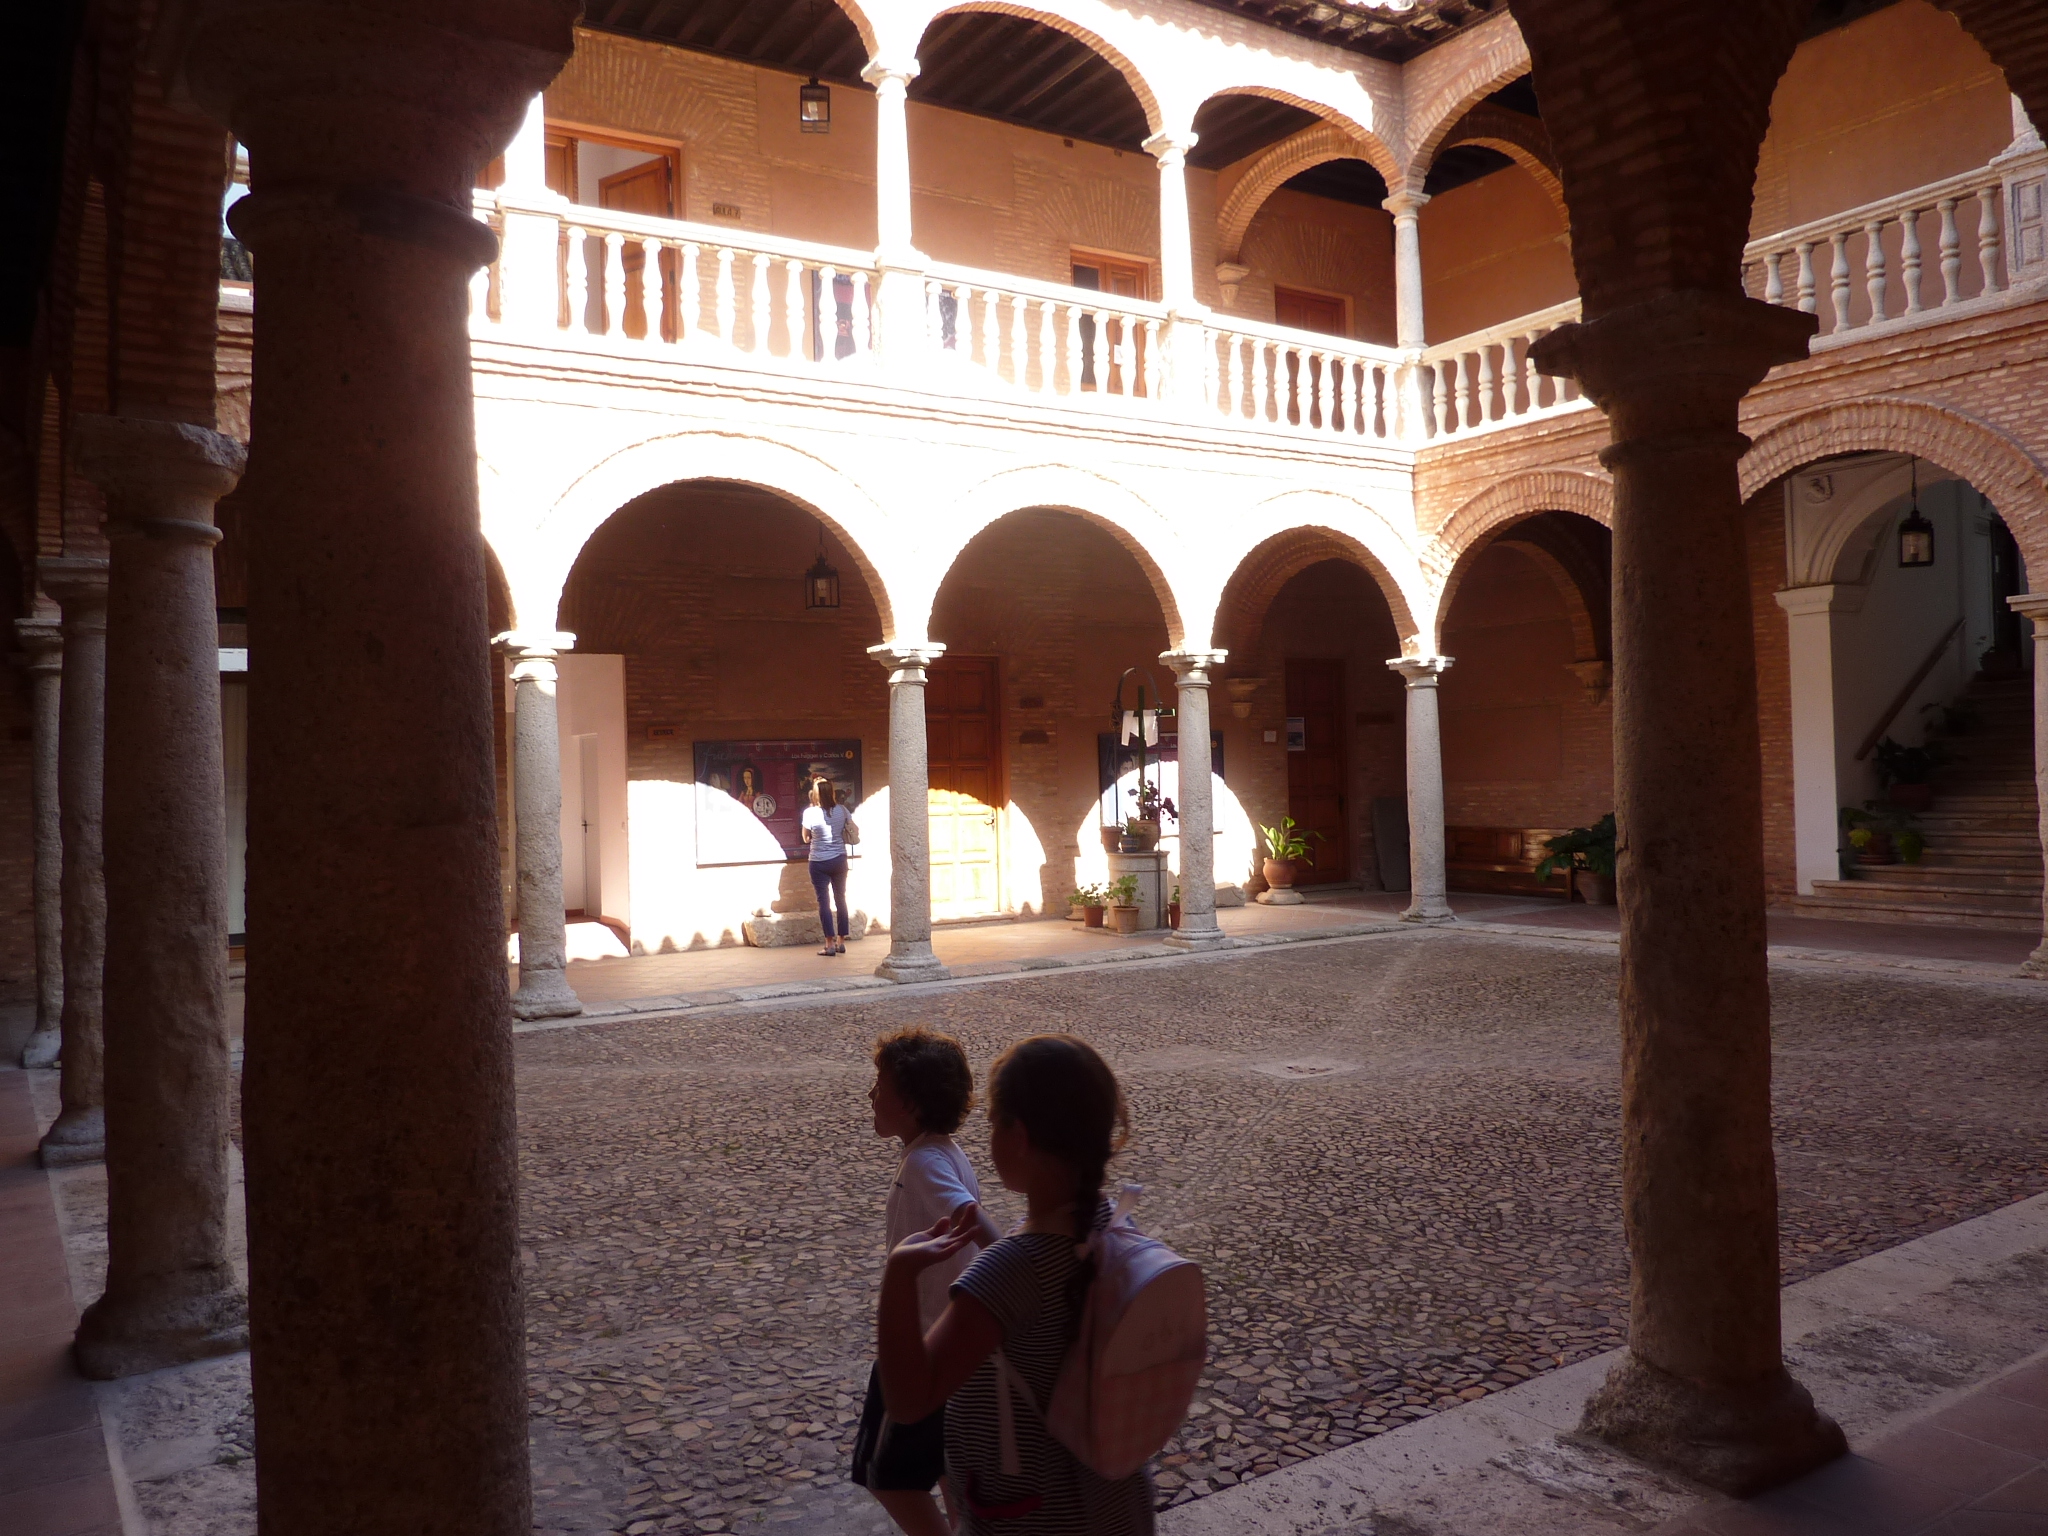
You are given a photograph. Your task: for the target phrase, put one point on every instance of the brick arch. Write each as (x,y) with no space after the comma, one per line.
(1515,500)
(1992,462)
(1280,163)
(1503,57)
(1521,138)
(1249,593)
(1082,32)
(2015,34)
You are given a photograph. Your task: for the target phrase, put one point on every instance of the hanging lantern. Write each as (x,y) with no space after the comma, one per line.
(1916,534)
(814,107)
(821,581)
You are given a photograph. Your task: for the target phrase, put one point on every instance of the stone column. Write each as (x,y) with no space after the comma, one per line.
(1176,244)
(1428,900)
(910,833)
(891,79)
(2034,606)
(79,585)
(171,1294)
(1704,1388)
(1198,928)
(1406,207)
(1810,625)
(544,991)
(42,639)
(386,1326)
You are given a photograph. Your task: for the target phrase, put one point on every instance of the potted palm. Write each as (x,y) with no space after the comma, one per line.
(1286,846)
(1586,855)
(1122,894)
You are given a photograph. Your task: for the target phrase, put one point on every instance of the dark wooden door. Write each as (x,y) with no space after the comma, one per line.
(1315,775)
(644,188)
(963,735)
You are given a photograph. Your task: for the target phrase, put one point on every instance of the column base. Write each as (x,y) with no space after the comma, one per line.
(1190,938)
(913,962)
(2035,966)
(545,995)
(1740,1442)
(42,1049)
(79,1136)
(1429,912)
(126,1337)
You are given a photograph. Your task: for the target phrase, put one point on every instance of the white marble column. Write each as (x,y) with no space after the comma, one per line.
(1406,207)
(1427,901)
(42,640)
(544,991)
(891,79)
(2034,607)
(171,1294)
(1810,623)
(910,858)
(1198,929)
(79,584)
(1176,244)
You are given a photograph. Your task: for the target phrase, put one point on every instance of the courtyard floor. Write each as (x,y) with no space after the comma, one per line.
(1394,1155)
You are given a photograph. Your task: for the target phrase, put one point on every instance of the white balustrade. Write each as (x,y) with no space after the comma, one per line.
(1295,382)
(1489,379)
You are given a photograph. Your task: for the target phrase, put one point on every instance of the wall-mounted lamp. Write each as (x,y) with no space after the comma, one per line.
(814,107)
(1916,534)
(821,581)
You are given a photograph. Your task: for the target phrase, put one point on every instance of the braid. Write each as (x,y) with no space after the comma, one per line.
(1087,1219)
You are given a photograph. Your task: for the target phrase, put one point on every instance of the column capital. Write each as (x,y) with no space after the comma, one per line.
(79,584)
(904,657)
(1657,366)
(522,643)
(2032,605)
(42,641)
(896,72)
(1420,671)
(1828,597)
(147,468)
(1170,146)
(1406,203)
(1191,668)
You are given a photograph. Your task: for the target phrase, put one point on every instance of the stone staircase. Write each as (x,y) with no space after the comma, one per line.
(1982,867)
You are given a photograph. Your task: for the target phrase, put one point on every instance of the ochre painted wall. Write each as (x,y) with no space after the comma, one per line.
(1492,249)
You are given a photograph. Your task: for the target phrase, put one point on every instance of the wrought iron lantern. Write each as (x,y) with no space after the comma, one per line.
(821,581)
(814,107)
(1916,534)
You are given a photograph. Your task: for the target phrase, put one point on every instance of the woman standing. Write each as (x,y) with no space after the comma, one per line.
(824,828)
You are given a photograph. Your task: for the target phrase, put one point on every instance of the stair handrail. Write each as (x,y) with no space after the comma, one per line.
(1884,722)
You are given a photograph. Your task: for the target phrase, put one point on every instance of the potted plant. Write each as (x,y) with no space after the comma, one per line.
(1906,773)
(1141,832)
(1287,845)
(1112,837)
(1122,894)
(1881,833)
(1093,904)
(1173,909)
(1077,902)
(1586,855)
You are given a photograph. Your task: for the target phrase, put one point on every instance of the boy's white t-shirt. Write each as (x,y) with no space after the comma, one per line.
(934,1180)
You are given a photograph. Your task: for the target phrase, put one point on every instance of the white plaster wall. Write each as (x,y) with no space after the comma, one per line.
(590,699)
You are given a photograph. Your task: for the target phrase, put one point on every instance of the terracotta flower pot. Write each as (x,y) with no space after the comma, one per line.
(1092,916)
(1911,797)
(1279,873)
(1140,837)
(1877,851)
(1112,839)
(1076,912)
(1126,919)
(1173,914)
(1594,890)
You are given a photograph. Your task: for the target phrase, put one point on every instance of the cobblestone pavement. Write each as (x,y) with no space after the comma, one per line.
(1395,1157)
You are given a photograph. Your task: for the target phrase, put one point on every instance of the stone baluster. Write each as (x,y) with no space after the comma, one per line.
(1774,277)
(1838,276)
(728,300)
(793,309)
(1809,290)
(1874,270)
(2033,606)
(544,991)
(41,636)
(387,1338)
(577,274)
(1074,348)
(1440,393)
(1045,347)
(1333,420)
(828,314)
(964,329)
(1951,253)
(758,311)
(614,284)
(171,1295)
(1212,388)
(1428,899)
(79,586)
(1125,350)
(910,864)
(1988,238)
(690,297)
(863,313)
(1532,380)
(1013,333)
(1704,1384)
(1909,259)
(1462,366)
(1198,928)
(1512,401)
(1486,385)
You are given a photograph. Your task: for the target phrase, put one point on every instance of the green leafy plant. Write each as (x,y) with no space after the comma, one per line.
(1122,891)
(1174,900)
(1588,848)
(1896,764)
(1152,805)
(1289,841)
(1086,896)
(1910,845)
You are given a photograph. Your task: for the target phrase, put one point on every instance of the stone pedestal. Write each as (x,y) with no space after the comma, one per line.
(544,991)
(79,585)
(910,859)
(1155,884)
(1704,1389)
(171,1294)
(1198,929)
(42,642)
(1428,884)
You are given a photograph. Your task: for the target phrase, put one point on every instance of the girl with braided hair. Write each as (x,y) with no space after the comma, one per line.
(1057,1117)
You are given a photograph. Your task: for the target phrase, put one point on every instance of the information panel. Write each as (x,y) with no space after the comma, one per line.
(768,783)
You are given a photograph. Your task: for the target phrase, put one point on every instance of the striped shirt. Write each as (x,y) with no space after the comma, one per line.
(1022,1280)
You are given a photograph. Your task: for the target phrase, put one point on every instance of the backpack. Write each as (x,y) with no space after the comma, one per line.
(1131,1372)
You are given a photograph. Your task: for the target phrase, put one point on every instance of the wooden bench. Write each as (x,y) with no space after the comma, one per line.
(1500,859)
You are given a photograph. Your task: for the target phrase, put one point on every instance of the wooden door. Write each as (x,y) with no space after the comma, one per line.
(1104,274)
(1315,775)
(1317,312)
(644,188)
(963,735)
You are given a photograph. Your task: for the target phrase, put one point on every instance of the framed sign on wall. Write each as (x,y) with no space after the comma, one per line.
(768,785)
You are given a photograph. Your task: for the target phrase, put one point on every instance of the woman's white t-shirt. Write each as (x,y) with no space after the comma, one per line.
(934,1181)
(828,831)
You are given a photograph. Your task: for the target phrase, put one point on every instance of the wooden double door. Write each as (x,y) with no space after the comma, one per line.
(963,743)
(1315,773)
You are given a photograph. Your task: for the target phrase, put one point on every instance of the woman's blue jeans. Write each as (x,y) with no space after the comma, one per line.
(828,879)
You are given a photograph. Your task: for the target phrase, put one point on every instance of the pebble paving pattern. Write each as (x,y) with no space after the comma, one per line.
(1396,1159)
